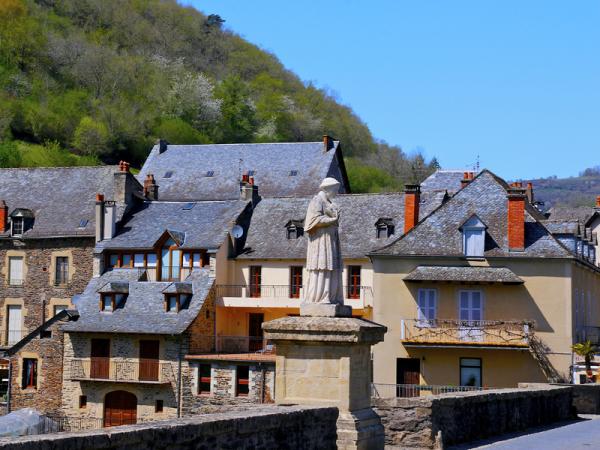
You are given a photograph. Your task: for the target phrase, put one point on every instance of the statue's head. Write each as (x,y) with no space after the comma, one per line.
(330,186)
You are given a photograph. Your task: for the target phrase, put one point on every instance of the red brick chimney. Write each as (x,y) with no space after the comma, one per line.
(529,193)
(3,216)
(516,217)
(123,166)
(598,202)
(150,187)
(412,198)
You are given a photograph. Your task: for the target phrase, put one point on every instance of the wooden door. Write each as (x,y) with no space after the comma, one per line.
(255,331)
(408,372)
(149,360)
(100,358)
(120,408)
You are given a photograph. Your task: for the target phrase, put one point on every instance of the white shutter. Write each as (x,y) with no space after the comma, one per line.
(426,306)
(16,270)
(14,323)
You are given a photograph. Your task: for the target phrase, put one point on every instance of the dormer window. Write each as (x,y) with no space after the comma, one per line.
(111,301)
(17,226)
(21,220)
(473,231)
(384,228)
(177,302)
(294,229)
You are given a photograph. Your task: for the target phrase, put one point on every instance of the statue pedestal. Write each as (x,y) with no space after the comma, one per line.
(325,361)
(325,310)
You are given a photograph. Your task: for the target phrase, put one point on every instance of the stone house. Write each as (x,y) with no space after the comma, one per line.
(47,237)
(481,292)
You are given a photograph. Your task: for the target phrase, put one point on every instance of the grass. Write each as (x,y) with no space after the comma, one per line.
(51,155)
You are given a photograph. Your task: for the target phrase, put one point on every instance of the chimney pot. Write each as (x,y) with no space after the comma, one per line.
(598,201)
(251,180)
(99,197)
(412,199)
(465,180)
(3,216)
(245,178)
(516,218)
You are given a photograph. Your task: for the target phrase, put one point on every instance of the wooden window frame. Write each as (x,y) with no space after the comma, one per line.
(113,296)
(255,285)
(242,382)
(181,299)
(204,380)
(58,281)
(31,381)
(295,281)
(354,280)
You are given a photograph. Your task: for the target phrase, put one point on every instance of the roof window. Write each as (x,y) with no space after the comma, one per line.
(168,174)
(473,231)
(188,206)
(293,173)
(210,173)
(21,220)
(384,228)
(176,302)
(110,301)
(294,229)
(83,223)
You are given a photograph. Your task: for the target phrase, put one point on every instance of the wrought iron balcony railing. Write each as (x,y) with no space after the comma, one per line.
(466,332)
(230,344)
(134,371)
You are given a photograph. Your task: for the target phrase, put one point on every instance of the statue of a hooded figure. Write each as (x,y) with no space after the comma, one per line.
(323,257)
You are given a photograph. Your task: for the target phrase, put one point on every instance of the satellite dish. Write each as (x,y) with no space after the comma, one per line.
(237,231)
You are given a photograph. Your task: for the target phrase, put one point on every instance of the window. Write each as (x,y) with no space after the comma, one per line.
(111,301)
(293,173)
(168,174)
(177,302)
(18,225)
(210,173)
(353,282)
(473,231)
(294,229)
(82,401)
(15,270)
(15,324)
(83,223)
(30,368)
(255,281)
(471,307)
(295,281)
(426,306)
(113,261)
(188,206)
(204,373)
(62,270)
(158,407)
(242,381)
(470,372)
(59,308)
(384,228)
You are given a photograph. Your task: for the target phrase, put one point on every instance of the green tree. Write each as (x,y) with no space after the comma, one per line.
(177,131)
(586,350)
(238,122)
(10,156)
(91,137)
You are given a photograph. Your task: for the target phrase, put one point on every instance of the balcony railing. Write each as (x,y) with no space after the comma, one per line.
(134,371)
(164,273)
(230,344)
(417,390)
(359,296)
(466,332)
(11,336)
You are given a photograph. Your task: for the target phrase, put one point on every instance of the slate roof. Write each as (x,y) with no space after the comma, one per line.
(439,234)
(570,213)
(267,235)
(443,180)
(59,197)
(205,225)
(563,226)
(144,309)
(464,273)
(272,164)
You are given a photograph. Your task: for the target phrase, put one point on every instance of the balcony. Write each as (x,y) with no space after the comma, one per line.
(476,333)
(231,345)
(145,371)
(284,296)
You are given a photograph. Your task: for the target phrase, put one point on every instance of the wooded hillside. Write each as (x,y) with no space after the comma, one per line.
(85,81)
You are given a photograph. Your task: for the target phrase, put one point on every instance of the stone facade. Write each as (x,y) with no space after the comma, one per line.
(264,428)
(37,296)
(442,420)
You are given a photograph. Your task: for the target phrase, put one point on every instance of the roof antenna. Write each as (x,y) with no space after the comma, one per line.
(477,165)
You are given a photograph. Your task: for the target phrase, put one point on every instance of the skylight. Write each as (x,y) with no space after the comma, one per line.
(210,173)
(188,206)
(168,174)
(293,173)
(83,223)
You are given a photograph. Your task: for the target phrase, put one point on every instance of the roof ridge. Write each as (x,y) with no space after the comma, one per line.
(103,166)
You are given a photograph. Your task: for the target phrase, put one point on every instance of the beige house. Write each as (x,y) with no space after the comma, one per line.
(480,293)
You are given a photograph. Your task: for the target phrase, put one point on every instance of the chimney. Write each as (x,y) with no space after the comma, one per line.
(516,218)
(465,180)
(150,187)
(123,166)
(412,198)
(110,216)
(249,190)
(99,217)
(327,143)
(529,193)
(598,202)
(3,216)
(162,145)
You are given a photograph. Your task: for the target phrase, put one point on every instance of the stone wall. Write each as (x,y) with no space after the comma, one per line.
(290,427)
(586,397)
(442,420)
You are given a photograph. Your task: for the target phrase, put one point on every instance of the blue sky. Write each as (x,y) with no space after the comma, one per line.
(515,82)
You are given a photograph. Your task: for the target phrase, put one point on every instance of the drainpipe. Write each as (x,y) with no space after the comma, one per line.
(179,379)
(8,389)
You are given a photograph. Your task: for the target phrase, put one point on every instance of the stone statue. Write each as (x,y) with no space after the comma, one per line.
(324,257)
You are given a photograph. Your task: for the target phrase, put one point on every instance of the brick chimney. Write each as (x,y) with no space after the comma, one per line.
(150,187)
(465,179)
(412,198)
(598,202)
(249,190)
(516,217)
(99,217)
(327,143)
(123,166)
(3,216)
(529,193)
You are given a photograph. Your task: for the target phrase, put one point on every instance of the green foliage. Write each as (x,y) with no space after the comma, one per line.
(10,156)
(586,350)
(104,78)
(50,154)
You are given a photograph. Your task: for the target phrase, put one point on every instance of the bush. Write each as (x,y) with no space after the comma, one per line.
(91,137)
(177,131)
(10,156)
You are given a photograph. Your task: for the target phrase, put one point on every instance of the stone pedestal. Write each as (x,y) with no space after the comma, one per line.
(326,361)
(325,310)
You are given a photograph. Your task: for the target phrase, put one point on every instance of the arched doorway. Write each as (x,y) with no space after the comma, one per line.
(120,408)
